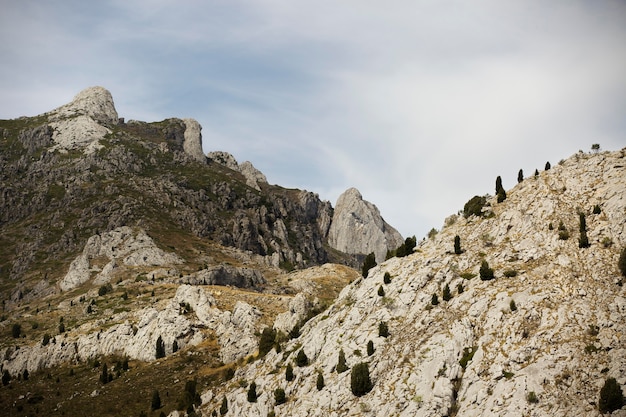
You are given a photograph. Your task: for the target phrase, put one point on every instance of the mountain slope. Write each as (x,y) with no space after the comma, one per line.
(539,339)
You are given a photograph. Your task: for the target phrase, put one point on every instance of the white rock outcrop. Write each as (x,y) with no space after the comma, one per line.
(540,339)
(358,228)
(193,140)
(122,246)
(253,176)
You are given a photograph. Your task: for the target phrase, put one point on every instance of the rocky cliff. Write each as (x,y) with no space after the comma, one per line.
(540,338)
(358,227)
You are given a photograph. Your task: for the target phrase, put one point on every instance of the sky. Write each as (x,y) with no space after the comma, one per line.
(419,104)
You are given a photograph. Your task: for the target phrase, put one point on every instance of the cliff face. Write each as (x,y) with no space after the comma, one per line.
(358,227)
(539,339)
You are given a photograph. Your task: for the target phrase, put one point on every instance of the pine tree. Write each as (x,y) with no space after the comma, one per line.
(369,263)
(583,241)
(266,342)
(457,245)
(175,346)
(486,273)
(302,359)
(156,401)
(360,381)
(536,172)
(370,348)
(520,176)
(320,381)
(6,377)
(224,407)
(160,348)
(381,291)
(341,362)
(460,289)
(621,264)
(548,166)
(289,372)
(252,393)
(279,396)
(104,375)
(446,293)
(383,330)
(387,278)
(611,396)
(434,300)
(500,190)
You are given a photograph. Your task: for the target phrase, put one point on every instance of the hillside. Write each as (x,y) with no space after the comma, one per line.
(538,339)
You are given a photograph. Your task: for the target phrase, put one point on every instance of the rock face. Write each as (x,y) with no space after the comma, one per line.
(539,339)
(358,228)
(193,140)
(253,176)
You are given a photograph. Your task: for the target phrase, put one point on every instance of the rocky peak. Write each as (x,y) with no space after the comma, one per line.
(358,228)
(253,176)
(193,140)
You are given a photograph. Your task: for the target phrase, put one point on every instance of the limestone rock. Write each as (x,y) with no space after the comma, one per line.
(358,228)
(253,176)
(193,140)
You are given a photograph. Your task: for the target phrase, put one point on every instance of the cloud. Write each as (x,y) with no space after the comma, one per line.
(419,104)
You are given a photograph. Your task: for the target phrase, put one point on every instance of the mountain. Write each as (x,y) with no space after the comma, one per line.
(536,331)
(122,241)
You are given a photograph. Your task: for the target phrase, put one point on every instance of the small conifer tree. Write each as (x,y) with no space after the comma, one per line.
(104,375)
(6,377)
(621,263)
(548,166)
(611,396)
(252,392)
(520,176)
(536,172)
(160,348)
(156,400)
(224,406)
(369,263)
(341,362)
(457,245)
(320,381)
(387,278)
(267,340)
(370,348)
(279,396)
(381,291)
(486,273)
(289,372)
(460,289)
(434,300)
(446,293)
(500,190)
(302,359)
(175,346)
(383,330)
(360,381)
(583,241)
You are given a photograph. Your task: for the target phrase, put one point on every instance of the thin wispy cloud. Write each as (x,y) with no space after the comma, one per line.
(418,104)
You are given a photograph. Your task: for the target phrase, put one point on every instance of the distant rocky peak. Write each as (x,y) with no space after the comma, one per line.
(193,140)
(93,102)
(358,227)
(253,176)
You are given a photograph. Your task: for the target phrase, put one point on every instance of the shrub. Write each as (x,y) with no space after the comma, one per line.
(486,273)
(103,290)
(474,206)
(468,354)
(512,305)
(16,330)
(548,166)
(381,291)
(520,176)
(156,400)
(160,348)
(289,372)
(370,348)
(104,374)
(302,359)
(368,263)
(175,346)
(611,396)
(320,381)
(46,339)
(266,342)
(383,330)
(387,278)
(459,288)
(532,397)
(279,396)
(596,209)
(252,392)
(500,190)
(457,245)
(360,381)
(621,264)
(583,241)
(341,362)
(6,377)
(434,300)
(224,407)
(536,172)
(510,273)
(446,293)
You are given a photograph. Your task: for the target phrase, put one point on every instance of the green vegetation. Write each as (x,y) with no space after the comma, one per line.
(160,348)
(457,245)
(381,291)
(16,330)
(406,248)
(369,263)
(500,193)
(548,166)
(302,359)
(224,407)
(532,397)
(583,240)
(468,354)
(156,400)
(460,289)
(563,232)
(320,381)
(434,300)
(486,273)
(370,348)
(267,340)
(383,330)
(513,306)
(341,362)
(279,396)
(597,209)
(510,273)
(289,372)
(360,381)
(520,176)
(387,278)
(447,295)
(474,206)
(252,396)
(611,396)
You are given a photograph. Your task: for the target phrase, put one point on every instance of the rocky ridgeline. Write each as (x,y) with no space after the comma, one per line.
(539,339)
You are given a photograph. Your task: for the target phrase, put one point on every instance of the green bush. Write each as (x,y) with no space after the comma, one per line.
(289,372)
(457,245)
(447,295)
(486,273)
(513,306)
(267,340)
(224,407)
(381,291)
(156,401)
(510,273)
(370,348)
(16,330)
(500,190)
(383,330)
(46,339)
(6,377)
(434,300)
(583,240)
(611,396)
(520,176)
(468,354)
(279,396)
(320,381)
(360,381)
(160,348)
(460,289)
(103,290)
(597,209)
(621,264)
(387,278)
(548,166)
(474,206)
(341,362)
(532,397)
(252,397)
(302,359)
(368,263)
